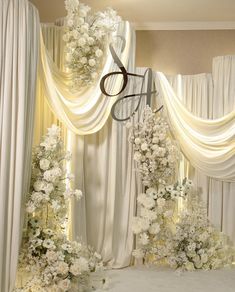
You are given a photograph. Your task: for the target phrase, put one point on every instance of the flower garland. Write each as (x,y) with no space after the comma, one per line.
(86,37)
(50,260)
(155,152)
(185,240)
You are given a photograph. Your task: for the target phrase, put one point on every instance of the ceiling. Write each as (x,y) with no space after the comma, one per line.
(150,11)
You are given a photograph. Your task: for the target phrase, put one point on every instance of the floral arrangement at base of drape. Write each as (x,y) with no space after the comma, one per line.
(172,226)
(48,260)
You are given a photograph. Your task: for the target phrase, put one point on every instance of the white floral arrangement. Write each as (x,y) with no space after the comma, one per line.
(87,36)
(155,152)
(166,235)
(155,224)
(197,243)
(48,260)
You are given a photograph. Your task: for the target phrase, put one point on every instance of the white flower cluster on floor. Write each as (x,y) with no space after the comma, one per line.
(48,260)
(87,36)
(197,243)
(172,226)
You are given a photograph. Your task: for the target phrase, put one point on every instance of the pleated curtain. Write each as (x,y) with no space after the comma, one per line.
(19,31)
(211,96)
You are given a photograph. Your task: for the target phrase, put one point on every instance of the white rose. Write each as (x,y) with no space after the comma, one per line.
(94,75)
(92,62)
(38,185)
(99,53)
(83,60)
(82,42)
(137,141)
(154,228)
(44,164)
(144,146)
(91,41)
(62,268)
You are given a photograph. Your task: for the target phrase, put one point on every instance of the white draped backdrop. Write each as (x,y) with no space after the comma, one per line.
(211,96)
(19,36)
(102,161)
(104,215)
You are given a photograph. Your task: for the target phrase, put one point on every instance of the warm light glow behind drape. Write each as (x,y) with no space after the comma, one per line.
(209,145)
(82,111)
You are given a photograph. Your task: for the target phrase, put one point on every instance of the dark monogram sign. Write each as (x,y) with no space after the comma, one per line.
(146,77)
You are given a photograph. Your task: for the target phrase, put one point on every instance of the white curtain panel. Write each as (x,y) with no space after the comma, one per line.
(211,96)
(104,168)
(19,31)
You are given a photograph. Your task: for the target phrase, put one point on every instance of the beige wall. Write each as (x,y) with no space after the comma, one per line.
(186,52)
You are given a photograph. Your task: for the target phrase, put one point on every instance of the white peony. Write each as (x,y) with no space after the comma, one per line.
(44,164)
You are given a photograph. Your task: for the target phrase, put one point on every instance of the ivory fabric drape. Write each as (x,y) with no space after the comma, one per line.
(211,96)
(104,170)
(19,31)
(86,110)
(209,144)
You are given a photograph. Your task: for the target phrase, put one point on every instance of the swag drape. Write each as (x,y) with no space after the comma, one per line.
(19,31)
(104,170)
(83,111)
(209,144)
(211,96)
